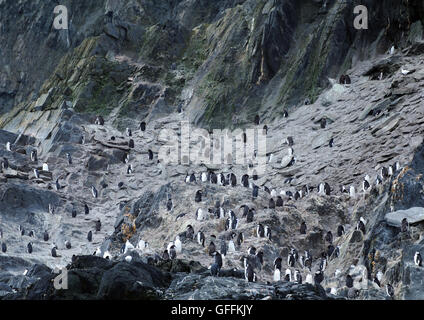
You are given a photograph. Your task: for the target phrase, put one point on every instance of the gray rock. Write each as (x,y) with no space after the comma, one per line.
(413,215)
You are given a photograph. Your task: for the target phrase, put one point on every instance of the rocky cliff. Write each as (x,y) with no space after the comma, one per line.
(215,64)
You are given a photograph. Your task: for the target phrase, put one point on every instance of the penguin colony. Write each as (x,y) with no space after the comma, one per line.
(299,268)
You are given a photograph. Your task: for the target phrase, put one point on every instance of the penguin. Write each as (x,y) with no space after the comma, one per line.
(54,252)
(330,250)
(303,228)
(74,213)
(45,167)
(297,195)
(68,244)
(126,158)
(128,132)
(291,260)
(384,174)
(150,154)
(224,248)
(198,197)
(277,275)
(22,230)
(366,187)
(231,246)
(98,225)
(34,156)
(340,230)
(342,79)
(36,174)
(336,252)
(29,247)
(404,225)
(131,144)
(285,114)
(250,215)
(260,257)
(46,236)
(279,202)
(323,123)
(213,178)
(260,231)
(86,209)
(268,232)
(360,226)
(189,233)
(349,281)
(297,277)
(143,126)
(289,141)
(3,247)
(214,270)
(94,192)
(331,142)
(200,215)
(245,181)
(211,248)
(255,191)
(418,259)
(329,237)
(90,236)
(347,79)
(178,244)
(240,239)
(251,250)
(288,275)
(249,273)
(390,170)
(377,282)
(309,279)
(271,203)
(244,138)
(218,259)
(8,146)
(257,120)
(165,255)
(128,247)
(5,163)
(201,238)
(57,185)
(389,290)
(68,156)
(277,263)
(192,178)
(265,130)
(204,177)
(169,205)
(318,277)
(327,189)
(99,121)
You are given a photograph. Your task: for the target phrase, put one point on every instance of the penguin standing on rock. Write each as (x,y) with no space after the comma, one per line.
(198,197)
(340,230)
(303,228)
(404,225)
(249,273)
(150,154)
(418,259)
(68,156)
(94,192)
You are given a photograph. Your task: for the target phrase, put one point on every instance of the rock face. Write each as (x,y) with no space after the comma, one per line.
(413,215)
(209,64)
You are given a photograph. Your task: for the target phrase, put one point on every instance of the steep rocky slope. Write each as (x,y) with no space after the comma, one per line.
(215,64)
